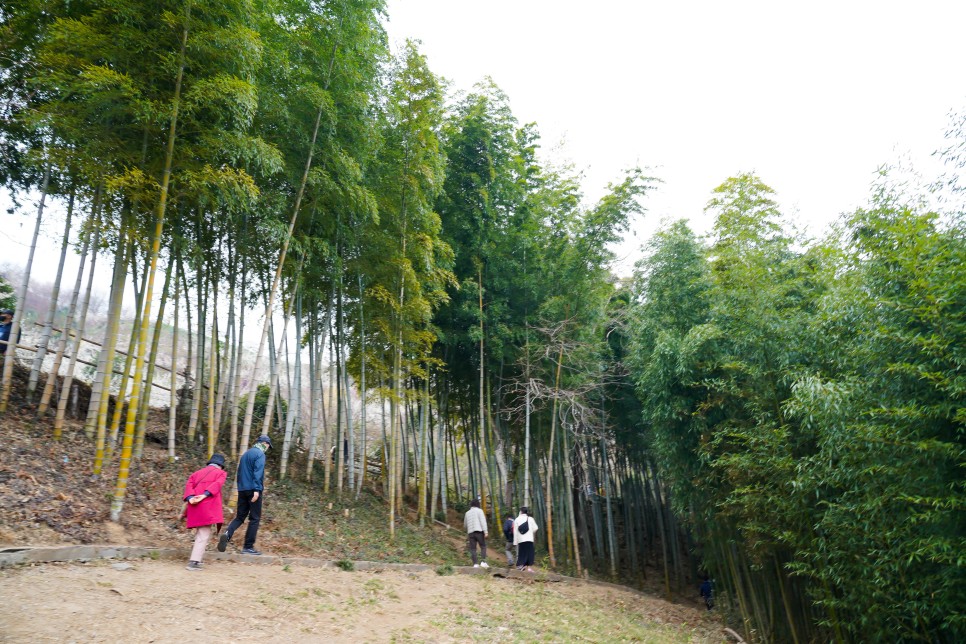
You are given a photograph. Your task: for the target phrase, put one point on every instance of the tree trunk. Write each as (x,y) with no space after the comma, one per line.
(119,399)
(10,354)
(198,392)
(48,392)
(423,452)
(362,388)
(120,490)
(240,353)
(101,390)
(51,310)
(295,398)
(569,499)
(173,402)
(75,349)
(213,374)
(553,429)
(250,410)
(149,380)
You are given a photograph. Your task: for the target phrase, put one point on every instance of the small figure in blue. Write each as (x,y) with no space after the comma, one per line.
(707,592)
(6,323)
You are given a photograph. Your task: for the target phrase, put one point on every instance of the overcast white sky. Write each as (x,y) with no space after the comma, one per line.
(812,96)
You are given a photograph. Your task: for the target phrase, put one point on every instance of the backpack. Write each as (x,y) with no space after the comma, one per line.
(525,526)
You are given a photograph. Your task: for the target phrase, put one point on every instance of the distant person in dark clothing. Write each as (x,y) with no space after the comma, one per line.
(511,555)
(251,487)
(707,592)
(6,323)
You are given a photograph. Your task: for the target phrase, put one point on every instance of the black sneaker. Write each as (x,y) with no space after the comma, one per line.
(250,551)
(223,541)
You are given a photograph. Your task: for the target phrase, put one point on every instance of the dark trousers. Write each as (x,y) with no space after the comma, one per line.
(525,553)
(474,538)
(252,510)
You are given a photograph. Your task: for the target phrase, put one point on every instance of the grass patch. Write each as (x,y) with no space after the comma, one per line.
(346,564)
(445,570)
(301,517)
(552,615)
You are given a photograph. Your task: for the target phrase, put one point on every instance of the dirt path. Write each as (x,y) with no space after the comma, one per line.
(159,601)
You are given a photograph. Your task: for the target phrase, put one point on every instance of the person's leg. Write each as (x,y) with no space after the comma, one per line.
(483,547)
(202,535)
(254,518)
(510,559)
(244,507)
(526,554)
(471,546)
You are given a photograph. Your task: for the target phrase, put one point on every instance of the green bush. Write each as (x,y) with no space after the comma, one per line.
(346,564)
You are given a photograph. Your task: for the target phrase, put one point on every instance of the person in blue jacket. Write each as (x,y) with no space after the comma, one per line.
(6,322)
(251,489)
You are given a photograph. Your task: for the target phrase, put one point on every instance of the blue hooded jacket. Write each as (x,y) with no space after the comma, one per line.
(251,470)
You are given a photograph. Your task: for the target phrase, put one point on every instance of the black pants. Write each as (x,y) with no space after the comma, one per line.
(252,510)
(525,553)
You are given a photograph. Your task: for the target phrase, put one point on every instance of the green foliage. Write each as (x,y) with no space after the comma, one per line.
(346,565)
(8,297)
(445,570)
(805,406)
(889,419)
(261,404)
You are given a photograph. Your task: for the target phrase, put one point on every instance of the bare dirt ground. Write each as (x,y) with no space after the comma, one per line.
(160,601)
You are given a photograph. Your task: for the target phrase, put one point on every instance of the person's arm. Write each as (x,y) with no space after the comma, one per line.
(258,475)
(189,489)
(215,486)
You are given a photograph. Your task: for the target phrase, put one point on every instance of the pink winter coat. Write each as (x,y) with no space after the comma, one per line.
(209,511)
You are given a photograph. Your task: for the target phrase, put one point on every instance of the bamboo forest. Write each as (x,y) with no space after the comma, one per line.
(311,235)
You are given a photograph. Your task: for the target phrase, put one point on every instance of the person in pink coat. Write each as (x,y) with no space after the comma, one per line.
(202,493)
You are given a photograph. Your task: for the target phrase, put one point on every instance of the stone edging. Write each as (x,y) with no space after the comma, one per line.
(13,556)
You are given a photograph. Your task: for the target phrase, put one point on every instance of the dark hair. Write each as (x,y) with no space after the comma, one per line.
(475,503)
(524,510)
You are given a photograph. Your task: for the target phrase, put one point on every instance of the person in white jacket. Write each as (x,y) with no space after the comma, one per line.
(476,532)
(524,527)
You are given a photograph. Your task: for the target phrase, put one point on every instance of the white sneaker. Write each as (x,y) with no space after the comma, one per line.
(483,564)
(476,565)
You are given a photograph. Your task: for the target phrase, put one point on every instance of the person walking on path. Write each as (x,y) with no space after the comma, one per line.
(475,523)
(707,592)
(251,489)
(511,555)
(202,494)
(524,528)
